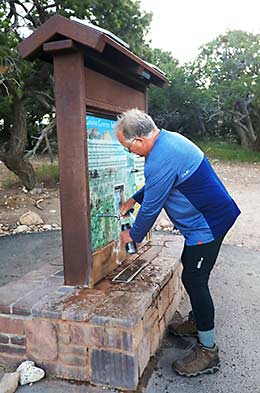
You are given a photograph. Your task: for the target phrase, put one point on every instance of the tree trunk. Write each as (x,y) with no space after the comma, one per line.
(202,127)
(12,153)
(243,136)
(23,169)
(247,121)
(257,143)
(244,126)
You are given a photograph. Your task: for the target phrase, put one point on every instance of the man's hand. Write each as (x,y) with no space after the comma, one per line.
(126,206)
(125,237)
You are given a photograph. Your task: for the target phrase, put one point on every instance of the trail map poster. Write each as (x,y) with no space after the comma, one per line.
(114,176)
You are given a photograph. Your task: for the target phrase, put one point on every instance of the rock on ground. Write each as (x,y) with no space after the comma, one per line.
(31,218)
(29,373)
(9,382)
(21,229)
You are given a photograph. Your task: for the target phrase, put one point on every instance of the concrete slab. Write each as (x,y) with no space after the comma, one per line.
(25,252)
(55,386)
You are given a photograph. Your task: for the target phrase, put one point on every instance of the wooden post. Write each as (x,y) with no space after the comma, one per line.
(70,95)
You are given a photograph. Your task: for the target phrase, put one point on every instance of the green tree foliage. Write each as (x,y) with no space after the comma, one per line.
(26,93)
(228,69)
(181,106)
(217,94)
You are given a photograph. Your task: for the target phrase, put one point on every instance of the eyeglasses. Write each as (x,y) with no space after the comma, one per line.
(128,148)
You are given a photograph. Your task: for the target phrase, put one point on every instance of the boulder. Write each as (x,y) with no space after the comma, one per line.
(9,382)
(29,373)
(31,218)
(21,229)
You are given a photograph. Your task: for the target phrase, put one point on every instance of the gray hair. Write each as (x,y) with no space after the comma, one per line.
(134,123)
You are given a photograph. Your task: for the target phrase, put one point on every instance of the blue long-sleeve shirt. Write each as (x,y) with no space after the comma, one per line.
(179,178)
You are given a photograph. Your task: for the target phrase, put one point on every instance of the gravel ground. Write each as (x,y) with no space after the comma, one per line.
(243,183)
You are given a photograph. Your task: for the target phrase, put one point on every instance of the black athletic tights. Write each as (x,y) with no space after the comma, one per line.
(198,262)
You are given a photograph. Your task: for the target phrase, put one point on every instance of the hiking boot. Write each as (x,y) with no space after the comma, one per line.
(187,328)
(201,360)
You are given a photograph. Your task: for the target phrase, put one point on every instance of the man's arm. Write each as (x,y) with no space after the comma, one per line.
(127,205)
(156,190)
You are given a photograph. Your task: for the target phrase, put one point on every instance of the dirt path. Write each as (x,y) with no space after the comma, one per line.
(242,181)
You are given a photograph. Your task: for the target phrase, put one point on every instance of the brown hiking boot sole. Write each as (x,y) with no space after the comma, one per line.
(210,370)
(172,331)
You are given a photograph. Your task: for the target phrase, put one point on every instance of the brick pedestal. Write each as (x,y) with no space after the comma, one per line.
(105,335)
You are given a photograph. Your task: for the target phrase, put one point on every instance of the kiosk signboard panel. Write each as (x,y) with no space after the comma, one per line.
(114,175)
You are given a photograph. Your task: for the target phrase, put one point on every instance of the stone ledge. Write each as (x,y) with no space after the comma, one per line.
(104,335)
(21,294)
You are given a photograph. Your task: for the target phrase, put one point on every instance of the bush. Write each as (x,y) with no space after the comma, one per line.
(48,174)
(227,151)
